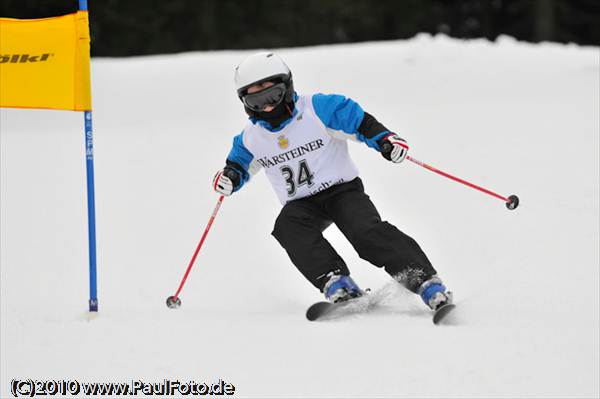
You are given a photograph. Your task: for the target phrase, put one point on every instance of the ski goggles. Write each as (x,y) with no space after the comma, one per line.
(271,96)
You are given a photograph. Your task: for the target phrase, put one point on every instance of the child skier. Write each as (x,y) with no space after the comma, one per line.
(301,142)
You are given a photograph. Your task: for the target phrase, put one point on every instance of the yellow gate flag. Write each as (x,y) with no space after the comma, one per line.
(45,63)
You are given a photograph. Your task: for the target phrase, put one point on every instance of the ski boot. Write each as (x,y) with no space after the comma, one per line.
(434,293)
(340,288)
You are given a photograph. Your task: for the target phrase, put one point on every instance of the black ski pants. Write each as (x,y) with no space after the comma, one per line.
(300,225)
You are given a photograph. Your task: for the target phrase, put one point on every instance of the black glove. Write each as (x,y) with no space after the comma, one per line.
(393,148)
(226,181)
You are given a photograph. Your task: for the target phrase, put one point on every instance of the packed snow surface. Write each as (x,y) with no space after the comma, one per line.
(516,118)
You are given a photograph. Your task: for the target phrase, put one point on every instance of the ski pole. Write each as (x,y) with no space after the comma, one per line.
(173,301)
(511,202)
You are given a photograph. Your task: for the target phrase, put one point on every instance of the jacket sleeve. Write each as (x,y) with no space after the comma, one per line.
(344,114)
(239,160)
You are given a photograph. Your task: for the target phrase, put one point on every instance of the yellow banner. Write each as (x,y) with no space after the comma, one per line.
(45,63)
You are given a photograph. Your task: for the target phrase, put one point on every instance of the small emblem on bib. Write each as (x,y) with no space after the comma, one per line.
(283,142)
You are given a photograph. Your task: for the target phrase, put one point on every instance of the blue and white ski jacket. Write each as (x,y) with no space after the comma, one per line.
(308,152)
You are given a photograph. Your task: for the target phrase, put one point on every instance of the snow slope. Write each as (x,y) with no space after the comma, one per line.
(517,118)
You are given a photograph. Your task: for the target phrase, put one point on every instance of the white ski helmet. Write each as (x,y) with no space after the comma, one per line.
(261,67)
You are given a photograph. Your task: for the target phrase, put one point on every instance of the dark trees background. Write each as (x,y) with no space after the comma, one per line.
(135,27)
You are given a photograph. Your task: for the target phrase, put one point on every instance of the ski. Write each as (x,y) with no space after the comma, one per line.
(321,309)
(442,312)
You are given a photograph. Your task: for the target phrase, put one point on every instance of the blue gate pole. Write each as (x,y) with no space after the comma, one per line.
(89,155)
(89,151)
